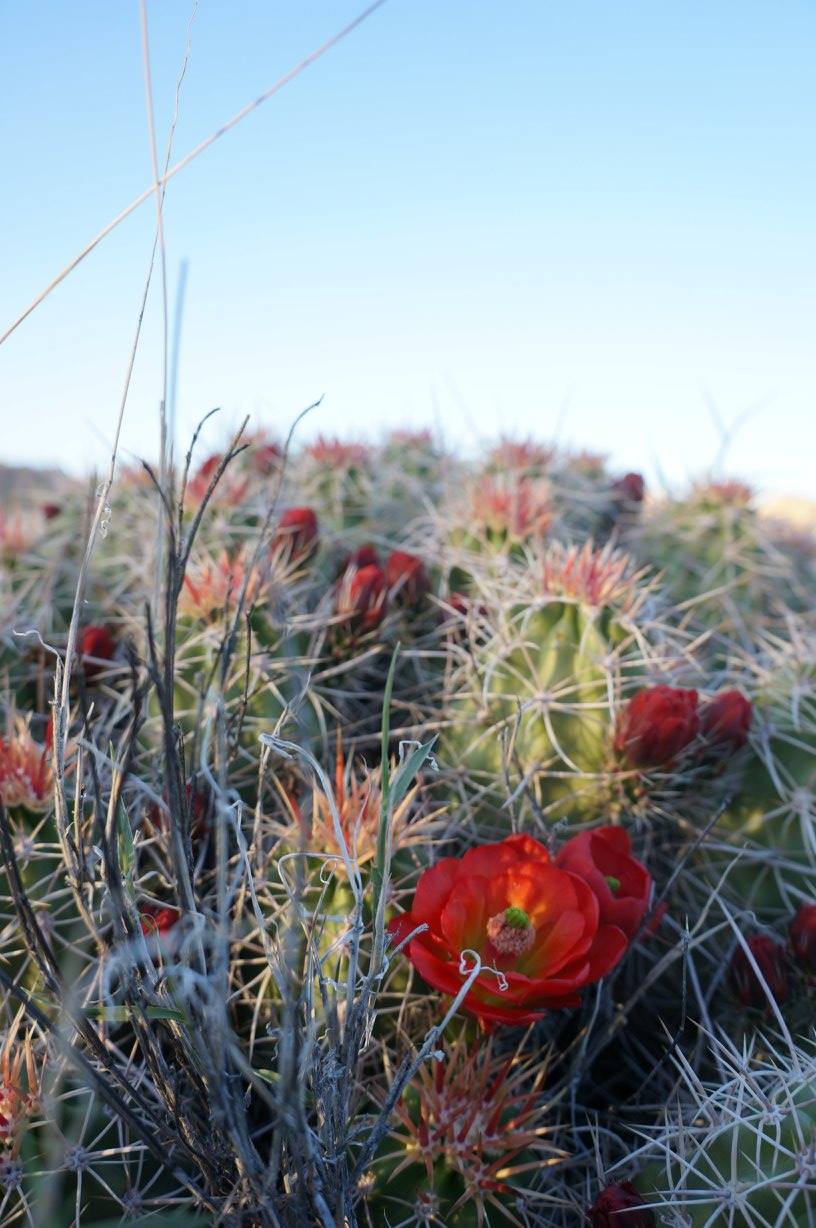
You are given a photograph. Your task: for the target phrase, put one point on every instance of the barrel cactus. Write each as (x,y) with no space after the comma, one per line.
(537,691)
(767,836)
(731,571)
(744,1151)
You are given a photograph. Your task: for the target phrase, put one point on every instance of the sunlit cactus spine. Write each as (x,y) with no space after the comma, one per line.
(316,829)
(40,551)
(732,571)
(412,468)
(337,478)
(501,513)
(471,1136)
(257,661)
(741,1150)
(769,829)
(535,694)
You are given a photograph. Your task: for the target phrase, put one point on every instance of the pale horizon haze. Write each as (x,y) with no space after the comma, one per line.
(585,221)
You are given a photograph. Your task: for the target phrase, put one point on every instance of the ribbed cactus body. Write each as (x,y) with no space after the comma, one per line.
(538,697)
(745,1155)
(732,572)
(773,816)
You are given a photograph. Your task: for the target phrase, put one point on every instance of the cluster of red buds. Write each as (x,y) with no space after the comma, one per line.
(802,933)
(660,723)
(773,961)
(296,534)
(365,587)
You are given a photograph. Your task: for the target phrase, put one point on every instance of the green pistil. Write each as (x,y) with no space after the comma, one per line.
(516,918)
(614,883)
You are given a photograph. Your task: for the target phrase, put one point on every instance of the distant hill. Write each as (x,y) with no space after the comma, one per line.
(19,484)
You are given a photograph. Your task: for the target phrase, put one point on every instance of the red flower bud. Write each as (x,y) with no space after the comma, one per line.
(96,644)
(50,511)
(802,932)
(460,604)
(266,458)
(629,489)
(602,857)
(297,532)
(363,556)
(726,719)
(155,920)
(361,597)
(406,576)
(230,490)
(620,1206)
(656,725)
(208,467)
(771,960)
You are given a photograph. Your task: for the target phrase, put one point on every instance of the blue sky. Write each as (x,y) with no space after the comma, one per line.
(586,219)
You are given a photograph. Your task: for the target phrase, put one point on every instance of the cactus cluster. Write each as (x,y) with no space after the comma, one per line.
(392,838)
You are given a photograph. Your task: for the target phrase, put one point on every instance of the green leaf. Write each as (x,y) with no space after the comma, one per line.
(123,1014)
(379,869)
(126,850)
(408,771)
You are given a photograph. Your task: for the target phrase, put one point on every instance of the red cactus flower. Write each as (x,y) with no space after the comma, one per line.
(297,532)
(726,719)
(620,1206)
(50,511)
(771,960)
(536,927)
(156,920)
(622,884)
(96,645)
(656,725)
(361,597)
(631,488)
(405,576)
(802,932)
